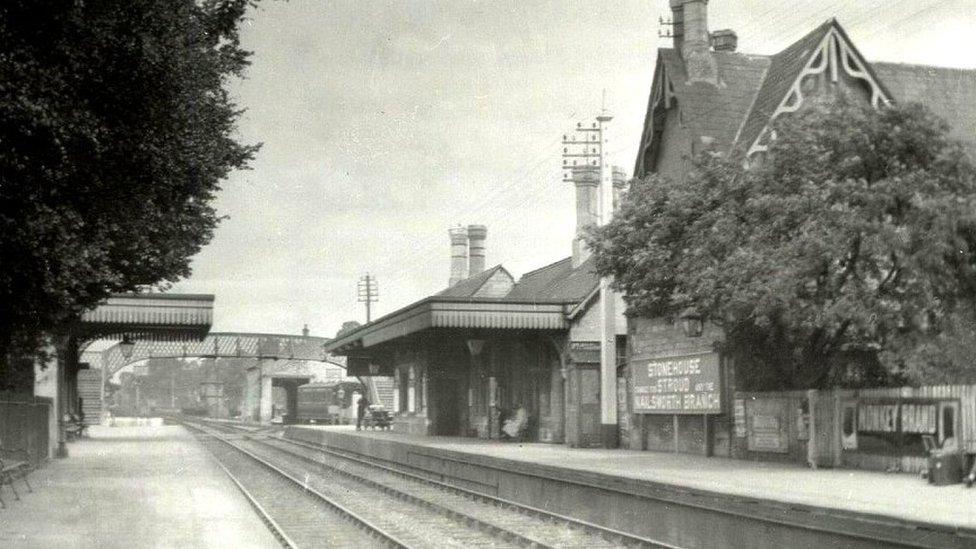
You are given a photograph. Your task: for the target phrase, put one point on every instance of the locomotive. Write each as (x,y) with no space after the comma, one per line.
(328,403)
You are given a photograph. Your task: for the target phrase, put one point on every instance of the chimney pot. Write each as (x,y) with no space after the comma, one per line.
(725,40)
(459,255)
(476,246)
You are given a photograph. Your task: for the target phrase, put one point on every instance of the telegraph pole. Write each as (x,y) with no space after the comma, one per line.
(368,293)
(585,150)
(608,328)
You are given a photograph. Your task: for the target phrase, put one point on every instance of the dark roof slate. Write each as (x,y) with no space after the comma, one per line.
(949,93)
(716,111)
(557,282)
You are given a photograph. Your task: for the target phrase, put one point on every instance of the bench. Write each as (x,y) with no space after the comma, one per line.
(74,427)
(13,469)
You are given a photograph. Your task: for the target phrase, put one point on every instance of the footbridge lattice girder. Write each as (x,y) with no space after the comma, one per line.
(224,345)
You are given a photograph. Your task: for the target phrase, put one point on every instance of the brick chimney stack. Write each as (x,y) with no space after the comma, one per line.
(476,248)
(459,255)
(619,185)
(691,39)
(587,182)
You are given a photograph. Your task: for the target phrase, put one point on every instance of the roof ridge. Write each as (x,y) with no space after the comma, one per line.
(921,66)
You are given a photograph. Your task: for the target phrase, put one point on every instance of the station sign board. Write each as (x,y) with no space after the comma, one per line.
(584,352)
(677,385)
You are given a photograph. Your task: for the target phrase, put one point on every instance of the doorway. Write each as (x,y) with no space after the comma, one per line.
(587,396)
(447,421)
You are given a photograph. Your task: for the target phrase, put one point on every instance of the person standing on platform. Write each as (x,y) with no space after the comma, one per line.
(971,477)
(361,409)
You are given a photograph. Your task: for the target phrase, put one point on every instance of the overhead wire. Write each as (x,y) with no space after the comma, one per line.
(520,174)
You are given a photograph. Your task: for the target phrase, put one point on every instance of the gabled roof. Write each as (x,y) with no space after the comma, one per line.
(784,69)
(708,110)
(803,57)
(753,89)
(470,286)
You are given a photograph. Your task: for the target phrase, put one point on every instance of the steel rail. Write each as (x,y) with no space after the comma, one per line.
(461,518)
(352,516)
(276,529)
(617,537)
(917,531)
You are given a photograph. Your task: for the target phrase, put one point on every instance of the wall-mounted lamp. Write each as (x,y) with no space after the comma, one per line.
(692,324)
(475,346)
(127,346)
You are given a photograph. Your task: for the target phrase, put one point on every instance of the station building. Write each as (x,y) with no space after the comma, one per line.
(464,359)
(707,96)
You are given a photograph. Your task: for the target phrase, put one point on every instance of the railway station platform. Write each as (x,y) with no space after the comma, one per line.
(139,486)
(686,500)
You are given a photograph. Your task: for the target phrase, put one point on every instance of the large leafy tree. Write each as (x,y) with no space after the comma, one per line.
(838,258)
(116,129)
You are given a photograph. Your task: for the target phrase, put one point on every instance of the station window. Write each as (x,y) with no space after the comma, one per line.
(421,389)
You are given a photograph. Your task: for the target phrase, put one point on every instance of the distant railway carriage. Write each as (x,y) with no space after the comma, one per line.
(328,403)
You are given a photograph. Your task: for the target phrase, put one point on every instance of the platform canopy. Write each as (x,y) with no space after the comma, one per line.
(438,312)
(148,317)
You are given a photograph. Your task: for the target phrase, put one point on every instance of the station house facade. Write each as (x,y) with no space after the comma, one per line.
(488,343)
(706,96)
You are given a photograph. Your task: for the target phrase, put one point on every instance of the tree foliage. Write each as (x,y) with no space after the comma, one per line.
(835,259)
(116,132)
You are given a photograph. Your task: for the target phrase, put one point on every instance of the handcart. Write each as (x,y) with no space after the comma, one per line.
(377,417)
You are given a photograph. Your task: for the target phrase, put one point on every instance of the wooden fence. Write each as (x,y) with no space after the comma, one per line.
(881,429)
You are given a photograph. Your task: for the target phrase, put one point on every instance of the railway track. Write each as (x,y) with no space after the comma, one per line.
(300,517)
(418,510)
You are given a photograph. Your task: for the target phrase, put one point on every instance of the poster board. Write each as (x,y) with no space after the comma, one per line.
(898,426)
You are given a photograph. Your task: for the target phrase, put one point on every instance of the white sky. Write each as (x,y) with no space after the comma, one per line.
(386,122)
